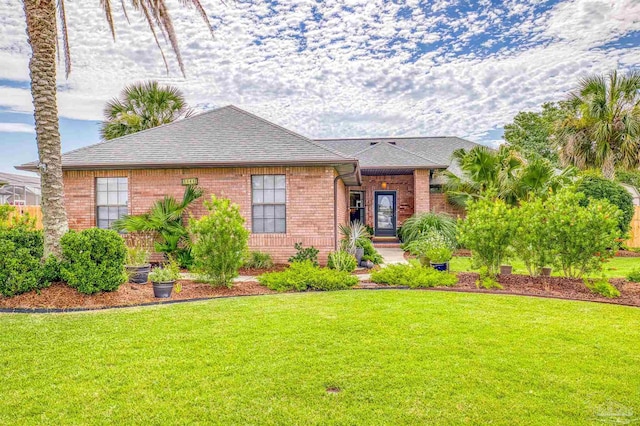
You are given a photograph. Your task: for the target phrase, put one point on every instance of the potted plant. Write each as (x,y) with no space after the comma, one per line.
(137,265)
(353,236)
(163,280)
(506,269)
(439,257)
(545,272)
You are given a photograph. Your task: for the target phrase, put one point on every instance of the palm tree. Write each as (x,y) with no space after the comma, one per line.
(142,106)
(42,32)
(603,130)
(502,174)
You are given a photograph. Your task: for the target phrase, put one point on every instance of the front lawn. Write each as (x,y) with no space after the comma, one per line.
(397,357)
(617,267)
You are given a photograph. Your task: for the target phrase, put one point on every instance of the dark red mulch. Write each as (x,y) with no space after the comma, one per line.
(553,286)
(627,253)
(255,272)
(61,296)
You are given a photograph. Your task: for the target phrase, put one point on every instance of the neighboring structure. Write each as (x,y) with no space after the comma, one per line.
(19,190)
(290,188)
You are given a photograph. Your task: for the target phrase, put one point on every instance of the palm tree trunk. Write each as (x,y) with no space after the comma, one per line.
(42,33)
(609,167)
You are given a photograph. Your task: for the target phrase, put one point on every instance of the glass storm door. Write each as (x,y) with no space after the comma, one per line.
(385,214)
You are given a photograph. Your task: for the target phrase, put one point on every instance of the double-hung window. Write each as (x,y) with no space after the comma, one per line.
(112,199)
(268,195)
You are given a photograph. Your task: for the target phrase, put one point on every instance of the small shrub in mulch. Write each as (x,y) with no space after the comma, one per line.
(569,288)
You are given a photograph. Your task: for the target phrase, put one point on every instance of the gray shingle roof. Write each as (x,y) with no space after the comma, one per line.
(429,152)
(388,155)
(225,136)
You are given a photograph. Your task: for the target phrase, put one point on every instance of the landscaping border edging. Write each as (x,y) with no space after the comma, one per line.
(202,299)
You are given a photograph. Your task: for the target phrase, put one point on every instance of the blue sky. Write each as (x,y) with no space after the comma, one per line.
(331,68)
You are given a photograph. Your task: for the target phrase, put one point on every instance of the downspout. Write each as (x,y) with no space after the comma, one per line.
(335,204)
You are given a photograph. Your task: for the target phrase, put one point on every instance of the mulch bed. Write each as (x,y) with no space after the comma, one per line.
(627,253)
(255,272)
(61,296)
(568,288)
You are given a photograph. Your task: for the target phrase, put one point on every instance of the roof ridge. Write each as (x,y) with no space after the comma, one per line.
(311,141)
(386,137)
(373,146)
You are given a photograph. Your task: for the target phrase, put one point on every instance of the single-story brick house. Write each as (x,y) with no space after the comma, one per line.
(289,188)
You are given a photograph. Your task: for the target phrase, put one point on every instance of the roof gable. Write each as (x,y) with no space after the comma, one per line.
(389,155)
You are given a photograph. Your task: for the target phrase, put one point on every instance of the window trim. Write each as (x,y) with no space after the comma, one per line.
(362,208)
(283,204)
(97,205)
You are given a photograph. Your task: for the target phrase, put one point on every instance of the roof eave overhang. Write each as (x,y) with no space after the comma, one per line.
(32,167)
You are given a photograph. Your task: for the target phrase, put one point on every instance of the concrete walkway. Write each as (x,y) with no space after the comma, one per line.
(392,255)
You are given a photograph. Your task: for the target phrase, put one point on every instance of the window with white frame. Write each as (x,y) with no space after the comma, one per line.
(112,200)
(268,203)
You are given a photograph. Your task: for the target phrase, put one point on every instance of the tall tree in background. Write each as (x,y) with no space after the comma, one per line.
(531,133)
(603,130)
(143,106)
(42,32)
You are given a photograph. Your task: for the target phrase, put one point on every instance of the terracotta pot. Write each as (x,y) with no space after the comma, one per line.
(546,272)
(506,269)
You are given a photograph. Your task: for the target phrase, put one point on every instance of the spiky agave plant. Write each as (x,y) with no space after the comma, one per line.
(353,234)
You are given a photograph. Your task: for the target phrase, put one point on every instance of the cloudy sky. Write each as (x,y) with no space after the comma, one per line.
(331,68)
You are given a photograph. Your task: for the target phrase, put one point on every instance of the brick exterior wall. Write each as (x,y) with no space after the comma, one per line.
(421,183)
(439,204)
(309,200)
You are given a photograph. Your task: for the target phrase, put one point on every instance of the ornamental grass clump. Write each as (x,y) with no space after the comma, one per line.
(258,260)
(342,261)
(421,224)
(220,242)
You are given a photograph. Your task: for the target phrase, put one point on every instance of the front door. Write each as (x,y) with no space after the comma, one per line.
(385,214)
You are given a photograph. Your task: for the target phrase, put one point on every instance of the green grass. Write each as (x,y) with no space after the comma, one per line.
(618,267)
(399,357)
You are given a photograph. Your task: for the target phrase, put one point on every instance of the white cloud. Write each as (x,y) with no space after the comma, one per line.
(347,75)
(16,128)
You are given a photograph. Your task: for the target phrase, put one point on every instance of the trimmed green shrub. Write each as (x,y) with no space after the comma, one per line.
(602,287)
(413,275)
(258,260)
(220,241)
(421,224)
(370,252)
(488,232)
(634,276)
(581,237)
(304,254)
(26,238)
(93,260)
(304,275)
(342,261)
(20,271)
(599,188)
(531,240)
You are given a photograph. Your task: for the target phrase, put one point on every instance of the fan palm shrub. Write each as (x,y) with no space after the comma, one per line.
(165,218)
(353,236)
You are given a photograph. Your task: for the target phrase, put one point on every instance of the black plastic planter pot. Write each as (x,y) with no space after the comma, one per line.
(546,272)
(138,274)
(440,266)
(163,290)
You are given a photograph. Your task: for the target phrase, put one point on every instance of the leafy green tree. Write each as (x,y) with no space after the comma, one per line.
(531,133)
(581,237)
(42,36)
(488,232)
(603,129)
(143,106)
(531,241)
(599,188)
(165,218)
(220,241)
